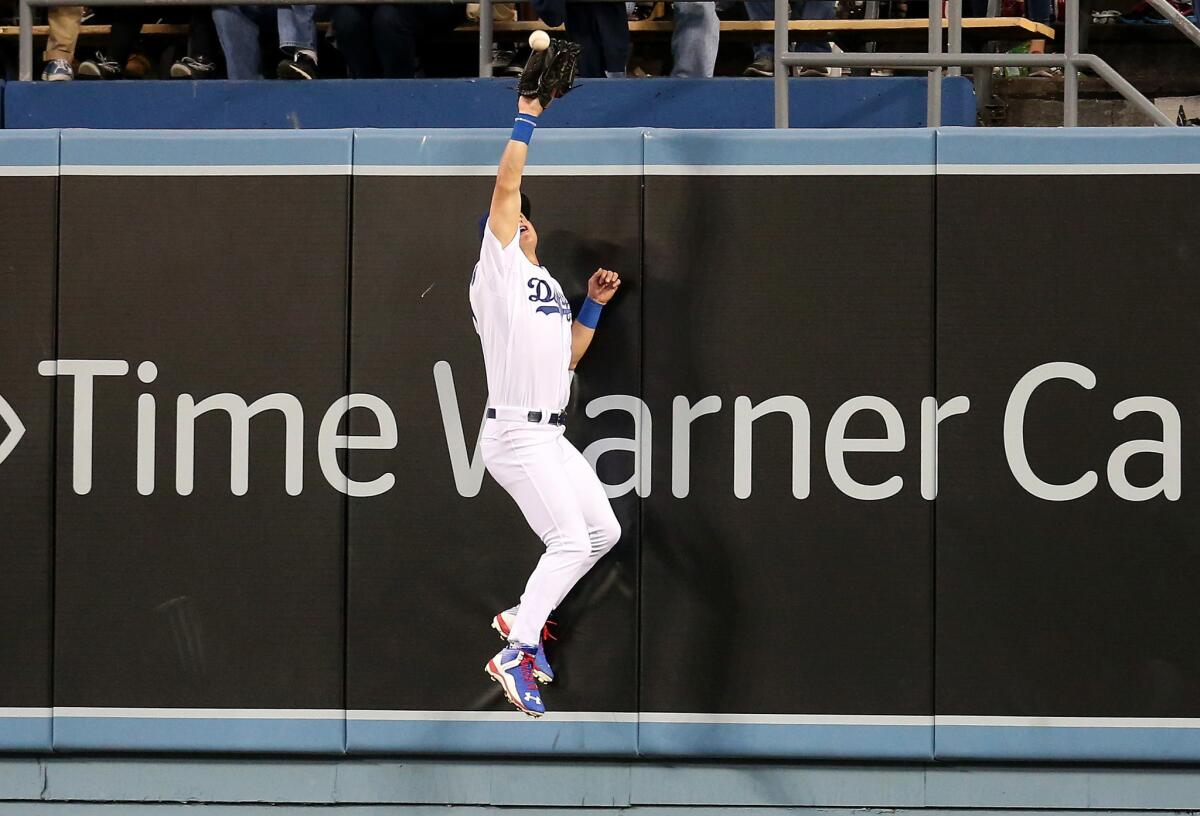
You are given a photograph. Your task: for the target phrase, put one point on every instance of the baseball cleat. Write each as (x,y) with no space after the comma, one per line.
(503,623)
(512,668)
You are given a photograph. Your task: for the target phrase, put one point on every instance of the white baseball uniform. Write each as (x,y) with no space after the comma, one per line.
(524,325)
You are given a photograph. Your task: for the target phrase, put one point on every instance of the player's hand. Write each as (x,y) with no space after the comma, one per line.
(530,106)
(602,285)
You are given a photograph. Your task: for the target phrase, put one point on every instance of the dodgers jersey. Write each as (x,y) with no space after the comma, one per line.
(524,325)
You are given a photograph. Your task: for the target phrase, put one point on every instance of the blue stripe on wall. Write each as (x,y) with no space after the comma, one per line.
(28,148)
(25,733)
(1067,743)
(199,148)
(786,740)
(482,147)
(1081,146)
(822,147)
(199,734)
(523,737)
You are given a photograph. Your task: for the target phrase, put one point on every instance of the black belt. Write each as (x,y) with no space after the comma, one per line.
(536,416)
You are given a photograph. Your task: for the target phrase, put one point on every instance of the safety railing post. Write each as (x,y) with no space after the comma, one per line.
(782,8)
(955,38)
(1070,72)
(485,38)
(933,100)
(25,41)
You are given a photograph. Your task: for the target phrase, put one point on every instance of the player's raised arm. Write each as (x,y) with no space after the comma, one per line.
(506,198)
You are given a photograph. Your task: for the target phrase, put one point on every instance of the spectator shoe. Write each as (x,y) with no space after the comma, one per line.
(193,68)
(300,65)
(57,71)
(762,67)
(99,67)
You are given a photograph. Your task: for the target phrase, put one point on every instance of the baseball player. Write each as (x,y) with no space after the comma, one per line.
(531,343)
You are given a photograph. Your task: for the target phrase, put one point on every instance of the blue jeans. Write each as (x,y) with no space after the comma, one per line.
(801,10)
(694,43)
(237,28)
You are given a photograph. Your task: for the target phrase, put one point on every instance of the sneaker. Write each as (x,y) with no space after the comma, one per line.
(189,68)
(512,668)
(502,57)
(99,67)
(761,67)
(57,71)
(517,65)
(503,622)
(812,71)
(300,65)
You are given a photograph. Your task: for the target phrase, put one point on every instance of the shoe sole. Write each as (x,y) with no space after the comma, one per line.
(498,625)
(498,676)
(56,78)
(294,73)
(179,72)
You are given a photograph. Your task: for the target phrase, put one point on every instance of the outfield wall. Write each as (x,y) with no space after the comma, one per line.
(892,421)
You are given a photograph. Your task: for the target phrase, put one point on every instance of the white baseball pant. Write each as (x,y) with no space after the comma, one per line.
(563,502)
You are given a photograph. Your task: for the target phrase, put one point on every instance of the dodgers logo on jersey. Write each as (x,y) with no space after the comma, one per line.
(544,293)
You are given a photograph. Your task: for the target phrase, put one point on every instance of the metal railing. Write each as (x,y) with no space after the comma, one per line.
(1070,61)
(933,60)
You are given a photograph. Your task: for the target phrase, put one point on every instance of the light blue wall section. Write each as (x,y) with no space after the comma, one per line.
(198,148)
(763,741)
(214,733)
(519,737)
(26,733)
(878,148)
(482,148)
(1081,146)
(28,148)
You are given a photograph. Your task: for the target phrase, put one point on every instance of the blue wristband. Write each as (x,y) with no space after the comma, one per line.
(589,313)
(523,127)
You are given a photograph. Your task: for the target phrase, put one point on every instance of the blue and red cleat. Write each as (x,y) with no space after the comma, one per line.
(512,668)
(503,623)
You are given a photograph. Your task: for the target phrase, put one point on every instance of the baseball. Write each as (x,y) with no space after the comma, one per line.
(539,41)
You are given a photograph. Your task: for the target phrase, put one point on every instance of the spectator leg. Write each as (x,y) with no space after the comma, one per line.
(64,32)
(613,24)
(126,28)
(354,27)
(694,43)
(761,10)
(437,19)
(297,28)
(816,10)
(237,30)
(202,35)
(582,28)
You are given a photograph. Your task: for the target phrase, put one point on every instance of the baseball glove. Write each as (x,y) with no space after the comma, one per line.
(550,73)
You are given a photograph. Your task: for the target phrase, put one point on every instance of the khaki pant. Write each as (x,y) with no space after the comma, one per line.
(64,31)
(501,12)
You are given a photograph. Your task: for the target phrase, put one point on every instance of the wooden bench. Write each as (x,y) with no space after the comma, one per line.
(976,28)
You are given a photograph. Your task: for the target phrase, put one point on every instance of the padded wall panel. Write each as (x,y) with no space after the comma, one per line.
(780,616)
(437,555)
(724,102)
(29,215)
(194,612)
(1065,613)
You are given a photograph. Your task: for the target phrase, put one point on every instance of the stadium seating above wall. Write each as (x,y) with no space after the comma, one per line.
(715,103)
